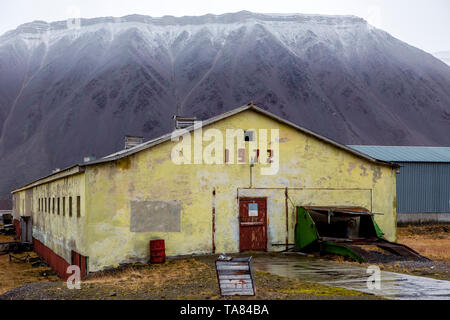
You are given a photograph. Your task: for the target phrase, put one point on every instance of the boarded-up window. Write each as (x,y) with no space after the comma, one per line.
(78,206)
(58,207)
(53,206)
(70,206)
(155,216)
(64,206)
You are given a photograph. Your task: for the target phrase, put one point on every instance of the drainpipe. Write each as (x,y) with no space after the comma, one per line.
(287,217)
(251,173)
(214,221)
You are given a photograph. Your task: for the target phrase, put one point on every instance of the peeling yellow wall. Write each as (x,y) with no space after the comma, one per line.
(315,173)
(61,233)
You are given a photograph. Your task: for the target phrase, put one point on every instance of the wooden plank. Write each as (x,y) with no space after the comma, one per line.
(234,276)
(234,268)
(236,286)
(232,263)
(235,282)
(234,292)
(232,272)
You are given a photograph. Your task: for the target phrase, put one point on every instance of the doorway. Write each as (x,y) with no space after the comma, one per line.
(26,232)
(252,224)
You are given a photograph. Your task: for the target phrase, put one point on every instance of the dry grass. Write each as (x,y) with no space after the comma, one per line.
(133,277)
(432,241)
(4,238)
(188,279)
(14,274)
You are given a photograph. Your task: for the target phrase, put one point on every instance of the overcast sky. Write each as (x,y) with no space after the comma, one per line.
(422,23)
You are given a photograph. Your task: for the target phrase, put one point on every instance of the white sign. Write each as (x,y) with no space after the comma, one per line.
(252,209)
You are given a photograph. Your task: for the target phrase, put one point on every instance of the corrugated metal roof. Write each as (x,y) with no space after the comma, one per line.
(406,154)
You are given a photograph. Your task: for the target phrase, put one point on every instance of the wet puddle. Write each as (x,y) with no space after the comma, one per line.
(392,285)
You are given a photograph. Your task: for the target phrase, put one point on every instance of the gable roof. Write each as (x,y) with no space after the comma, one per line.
(167,137)
(406,154)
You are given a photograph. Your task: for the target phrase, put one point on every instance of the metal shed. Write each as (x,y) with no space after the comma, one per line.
(423,184)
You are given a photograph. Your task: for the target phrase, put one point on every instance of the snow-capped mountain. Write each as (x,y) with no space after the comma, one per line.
(67,92)
(444,56)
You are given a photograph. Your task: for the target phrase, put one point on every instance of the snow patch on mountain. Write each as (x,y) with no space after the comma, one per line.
(444,56)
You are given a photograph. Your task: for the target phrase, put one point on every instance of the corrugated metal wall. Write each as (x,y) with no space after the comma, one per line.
(423,187)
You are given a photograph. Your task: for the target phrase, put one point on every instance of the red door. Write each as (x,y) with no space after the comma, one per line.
(252,224)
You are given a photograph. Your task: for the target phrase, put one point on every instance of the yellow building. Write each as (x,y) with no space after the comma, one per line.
(106,211)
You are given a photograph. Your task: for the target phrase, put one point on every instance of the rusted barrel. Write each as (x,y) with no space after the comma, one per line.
(157,251)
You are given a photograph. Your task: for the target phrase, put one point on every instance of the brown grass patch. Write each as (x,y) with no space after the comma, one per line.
(14,274)
(4,238)
(432,241)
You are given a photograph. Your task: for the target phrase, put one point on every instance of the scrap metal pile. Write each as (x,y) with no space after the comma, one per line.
(6,225)
(347,231)
(7,228)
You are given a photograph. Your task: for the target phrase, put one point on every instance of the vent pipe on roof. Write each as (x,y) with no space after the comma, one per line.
(89,158)
(132,141)
(183,122)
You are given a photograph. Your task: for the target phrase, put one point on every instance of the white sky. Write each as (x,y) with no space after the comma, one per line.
(422,23)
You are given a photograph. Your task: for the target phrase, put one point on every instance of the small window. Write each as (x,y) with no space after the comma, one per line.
(249,135)
(64,206)
(58,207)
(70,206)
(53,207)
(39,204)
(45,202)
(78,206)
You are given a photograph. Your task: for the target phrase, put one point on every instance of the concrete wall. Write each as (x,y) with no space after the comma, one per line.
(60,233)
(422,218)
(315,173)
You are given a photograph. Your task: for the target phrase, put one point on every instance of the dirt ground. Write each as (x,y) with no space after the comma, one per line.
(195,278)
(15,273)
(185,278)
(432,241)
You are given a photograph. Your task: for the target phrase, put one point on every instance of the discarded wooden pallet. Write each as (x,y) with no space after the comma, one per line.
(235,276)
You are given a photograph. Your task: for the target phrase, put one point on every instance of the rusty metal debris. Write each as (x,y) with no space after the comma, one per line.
(7,226)
(347,231)
(15,247)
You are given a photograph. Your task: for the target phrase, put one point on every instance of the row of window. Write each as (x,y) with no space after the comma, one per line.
(58,205)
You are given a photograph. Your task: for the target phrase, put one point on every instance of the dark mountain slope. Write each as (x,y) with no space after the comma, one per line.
(66,93)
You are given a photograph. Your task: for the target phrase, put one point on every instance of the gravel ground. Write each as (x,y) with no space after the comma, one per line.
(433,269)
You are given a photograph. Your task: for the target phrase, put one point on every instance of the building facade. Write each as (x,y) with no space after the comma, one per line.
(103,213)
(423,184)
